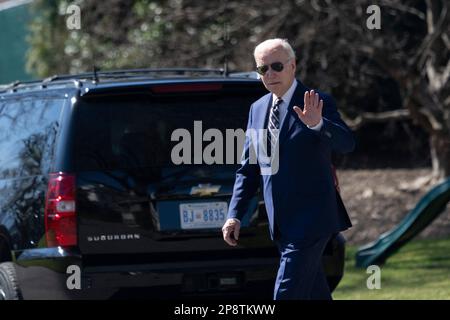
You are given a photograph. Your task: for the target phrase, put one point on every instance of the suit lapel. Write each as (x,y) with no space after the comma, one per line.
(289,119)
(262,114)
(261,118)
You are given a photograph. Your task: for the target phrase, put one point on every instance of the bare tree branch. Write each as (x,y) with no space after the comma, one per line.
(370,117)
(403,8)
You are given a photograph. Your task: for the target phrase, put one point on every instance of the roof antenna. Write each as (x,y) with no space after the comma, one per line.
(226,44)
(95,74)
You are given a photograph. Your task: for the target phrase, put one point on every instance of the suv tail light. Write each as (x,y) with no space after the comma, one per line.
(60,214)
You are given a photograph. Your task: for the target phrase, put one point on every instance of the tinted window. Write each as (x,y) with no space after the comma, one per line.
(135,131)
(28,130)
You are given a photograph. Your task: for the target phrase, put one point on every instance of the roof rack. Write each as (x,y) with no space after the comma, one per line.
(96,75)
(247,74)
(14,85)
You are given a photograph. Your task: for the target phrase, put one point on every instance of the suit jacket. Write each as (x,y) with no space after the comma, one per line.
(301,197)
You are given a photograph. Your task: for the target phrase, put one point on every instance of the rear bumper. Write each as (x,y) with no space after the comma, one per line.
(55,273)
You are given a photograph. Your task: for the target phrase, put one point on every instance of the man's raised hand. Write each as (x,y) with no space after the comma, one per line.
(312,109)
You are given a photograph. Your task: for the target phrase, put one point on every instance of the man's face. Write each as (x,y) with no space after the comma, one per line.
(276,82)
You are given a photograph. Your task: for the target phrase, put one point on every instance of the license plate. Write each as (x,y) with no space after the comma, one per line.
(204,215)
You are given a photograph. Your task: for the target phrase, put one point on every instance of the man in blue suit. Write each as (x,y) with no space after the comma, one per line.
(303,128)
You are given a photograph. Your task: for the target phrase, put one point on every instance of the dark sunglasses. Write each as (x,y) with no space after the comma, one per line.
(276,66)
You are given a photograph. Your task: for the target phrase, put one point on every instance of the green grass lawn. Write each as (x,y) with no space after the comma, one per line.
(419,270)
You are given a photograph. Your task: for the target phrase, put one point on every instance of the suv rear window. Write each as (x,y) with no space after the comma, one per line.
(135,131)
(28,129)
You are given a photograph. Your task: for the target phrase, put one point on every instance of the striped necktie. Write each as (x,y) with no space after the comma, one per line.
(273,126)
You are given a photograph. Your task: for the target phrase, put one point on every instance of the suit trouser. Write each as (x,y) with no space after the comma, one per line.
(300,275)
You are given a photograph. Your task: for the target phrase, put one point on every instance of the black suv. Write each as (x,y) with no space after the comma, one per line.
(92,205)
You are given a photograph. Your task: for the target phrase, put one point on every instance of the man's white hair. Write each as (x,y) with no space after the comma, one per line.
(273,43)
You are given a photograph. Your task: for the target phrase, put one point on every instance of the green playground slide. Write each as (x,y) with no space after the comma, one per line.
(426,210)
